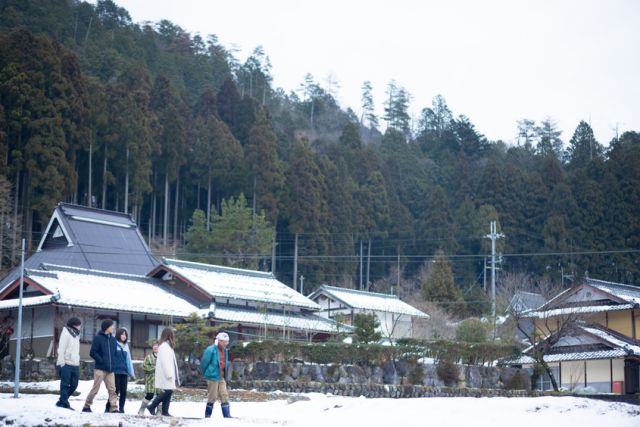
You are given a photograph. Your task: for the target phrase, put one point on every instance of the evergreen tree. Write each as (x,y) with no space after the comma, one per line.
(439,286)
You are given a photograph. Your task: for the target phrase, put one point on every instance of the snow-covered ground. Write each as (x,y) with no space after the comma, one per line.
(326,410)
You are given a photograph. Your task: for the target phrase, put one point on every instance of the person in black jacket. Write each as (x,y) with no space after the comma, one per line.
(103,351)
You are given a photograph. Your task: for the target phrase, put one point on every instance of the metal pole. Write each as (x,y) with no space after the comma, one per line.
(16,387)
(493,269)
(302,284)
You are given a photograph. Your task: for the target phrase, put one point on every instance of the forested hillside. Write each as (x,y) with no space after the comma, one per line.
(154,121)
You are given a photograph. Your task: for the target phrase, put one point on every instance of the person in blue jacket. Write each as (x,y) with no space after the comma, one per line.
(123,368)
(213,365)
(103,351)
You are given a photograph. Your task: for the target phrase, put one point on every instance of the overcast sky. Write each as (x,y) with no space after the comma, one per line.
(494,61)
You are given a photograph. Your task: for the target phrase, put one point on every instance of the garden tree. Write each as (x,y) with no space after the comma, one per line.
(217,154)
(439,286)
(472,330)
(304,208)
(548,139)
(583,147)
(368,116)
(171,135)
(365,327)
(263,167)
(194,335)
(238,237)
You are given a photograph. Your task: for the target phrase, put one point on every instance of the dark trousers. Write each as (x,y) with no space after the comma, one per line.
(121,391)
(69,376)
(165,399)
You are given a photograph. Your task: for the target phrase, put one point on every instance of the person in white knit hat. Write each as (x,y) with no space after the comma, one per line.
(213,365)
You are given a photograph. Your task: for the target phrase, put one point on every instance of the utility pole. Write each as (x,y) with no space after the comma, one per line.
(484,275)
(302,284)
(398,276)
(273,256)
(295,264)
(493,235)
(16,387)
(360,288)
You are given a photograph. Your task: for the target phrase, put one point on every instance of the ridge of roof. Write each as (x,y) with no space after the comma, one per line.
(48,270)
(216,268)
(89,209)
(358,292)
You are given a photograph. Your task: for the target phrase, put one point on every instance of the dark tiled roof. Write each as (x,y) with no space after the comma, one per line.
(93,239)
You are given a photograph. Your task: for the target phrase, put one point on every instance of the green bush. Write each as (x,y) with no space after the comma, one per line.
(365,328)
(448,372)
(472,330)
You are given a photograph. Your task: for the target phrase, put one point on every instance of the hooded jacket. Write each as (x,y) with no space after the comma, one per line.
(69,347)
(103,351)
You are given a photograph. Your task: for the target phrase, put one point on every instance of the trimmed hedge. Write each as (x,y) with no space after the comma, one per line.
(371,354)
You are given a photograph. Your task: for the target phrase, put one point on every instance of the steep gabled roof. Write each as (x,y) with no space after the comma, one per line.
(368,300)
(590,296)
(523,301)
(236,283)
(89,238)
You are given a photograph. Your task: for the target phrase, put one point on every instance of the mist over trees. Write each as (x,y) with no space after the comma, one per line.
(171,128)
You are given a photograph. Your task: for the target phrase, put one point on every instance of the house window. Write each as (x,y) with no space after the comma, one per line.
(544,382)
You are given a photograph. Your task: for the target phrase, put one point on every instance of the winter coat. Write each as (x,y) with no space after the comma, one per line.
(69,348)
(103,351)
(167,377)
(123,365)
(149,369)
(210,363)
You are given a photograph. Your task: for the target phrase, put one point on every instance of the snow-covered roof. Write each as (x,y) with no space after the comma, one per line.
(541,314)
(368,300)
(300,321)
(522,301)
(566,357)
(577,348)
(236,283)
(28,301)
(629,293)
(112,291)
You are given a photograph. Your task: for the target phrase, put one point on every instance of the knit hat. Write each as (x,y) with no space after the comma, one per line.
(222,336)
(74,322)
(106,324)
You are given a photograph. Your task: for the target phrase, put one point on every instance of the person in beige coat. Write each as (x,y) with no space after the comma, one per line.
(167,378)
(68,362)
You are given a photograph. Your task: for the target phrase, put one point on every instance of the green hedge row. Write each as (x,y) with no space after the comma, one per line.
(371,354)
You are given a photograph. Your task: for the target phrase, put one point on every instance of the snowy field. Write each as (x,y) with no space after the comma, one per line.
(318,410)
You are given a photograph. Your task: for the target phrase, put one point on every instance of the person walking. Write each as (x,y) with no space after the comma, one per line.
(167,377)
(213,365)
(68,362)
(123,368)
(103,351)
(149,369)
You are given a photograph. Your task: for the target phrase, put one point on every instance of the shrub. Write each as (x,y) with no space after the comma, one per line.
(416,375)
(518,381)
(448,372)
